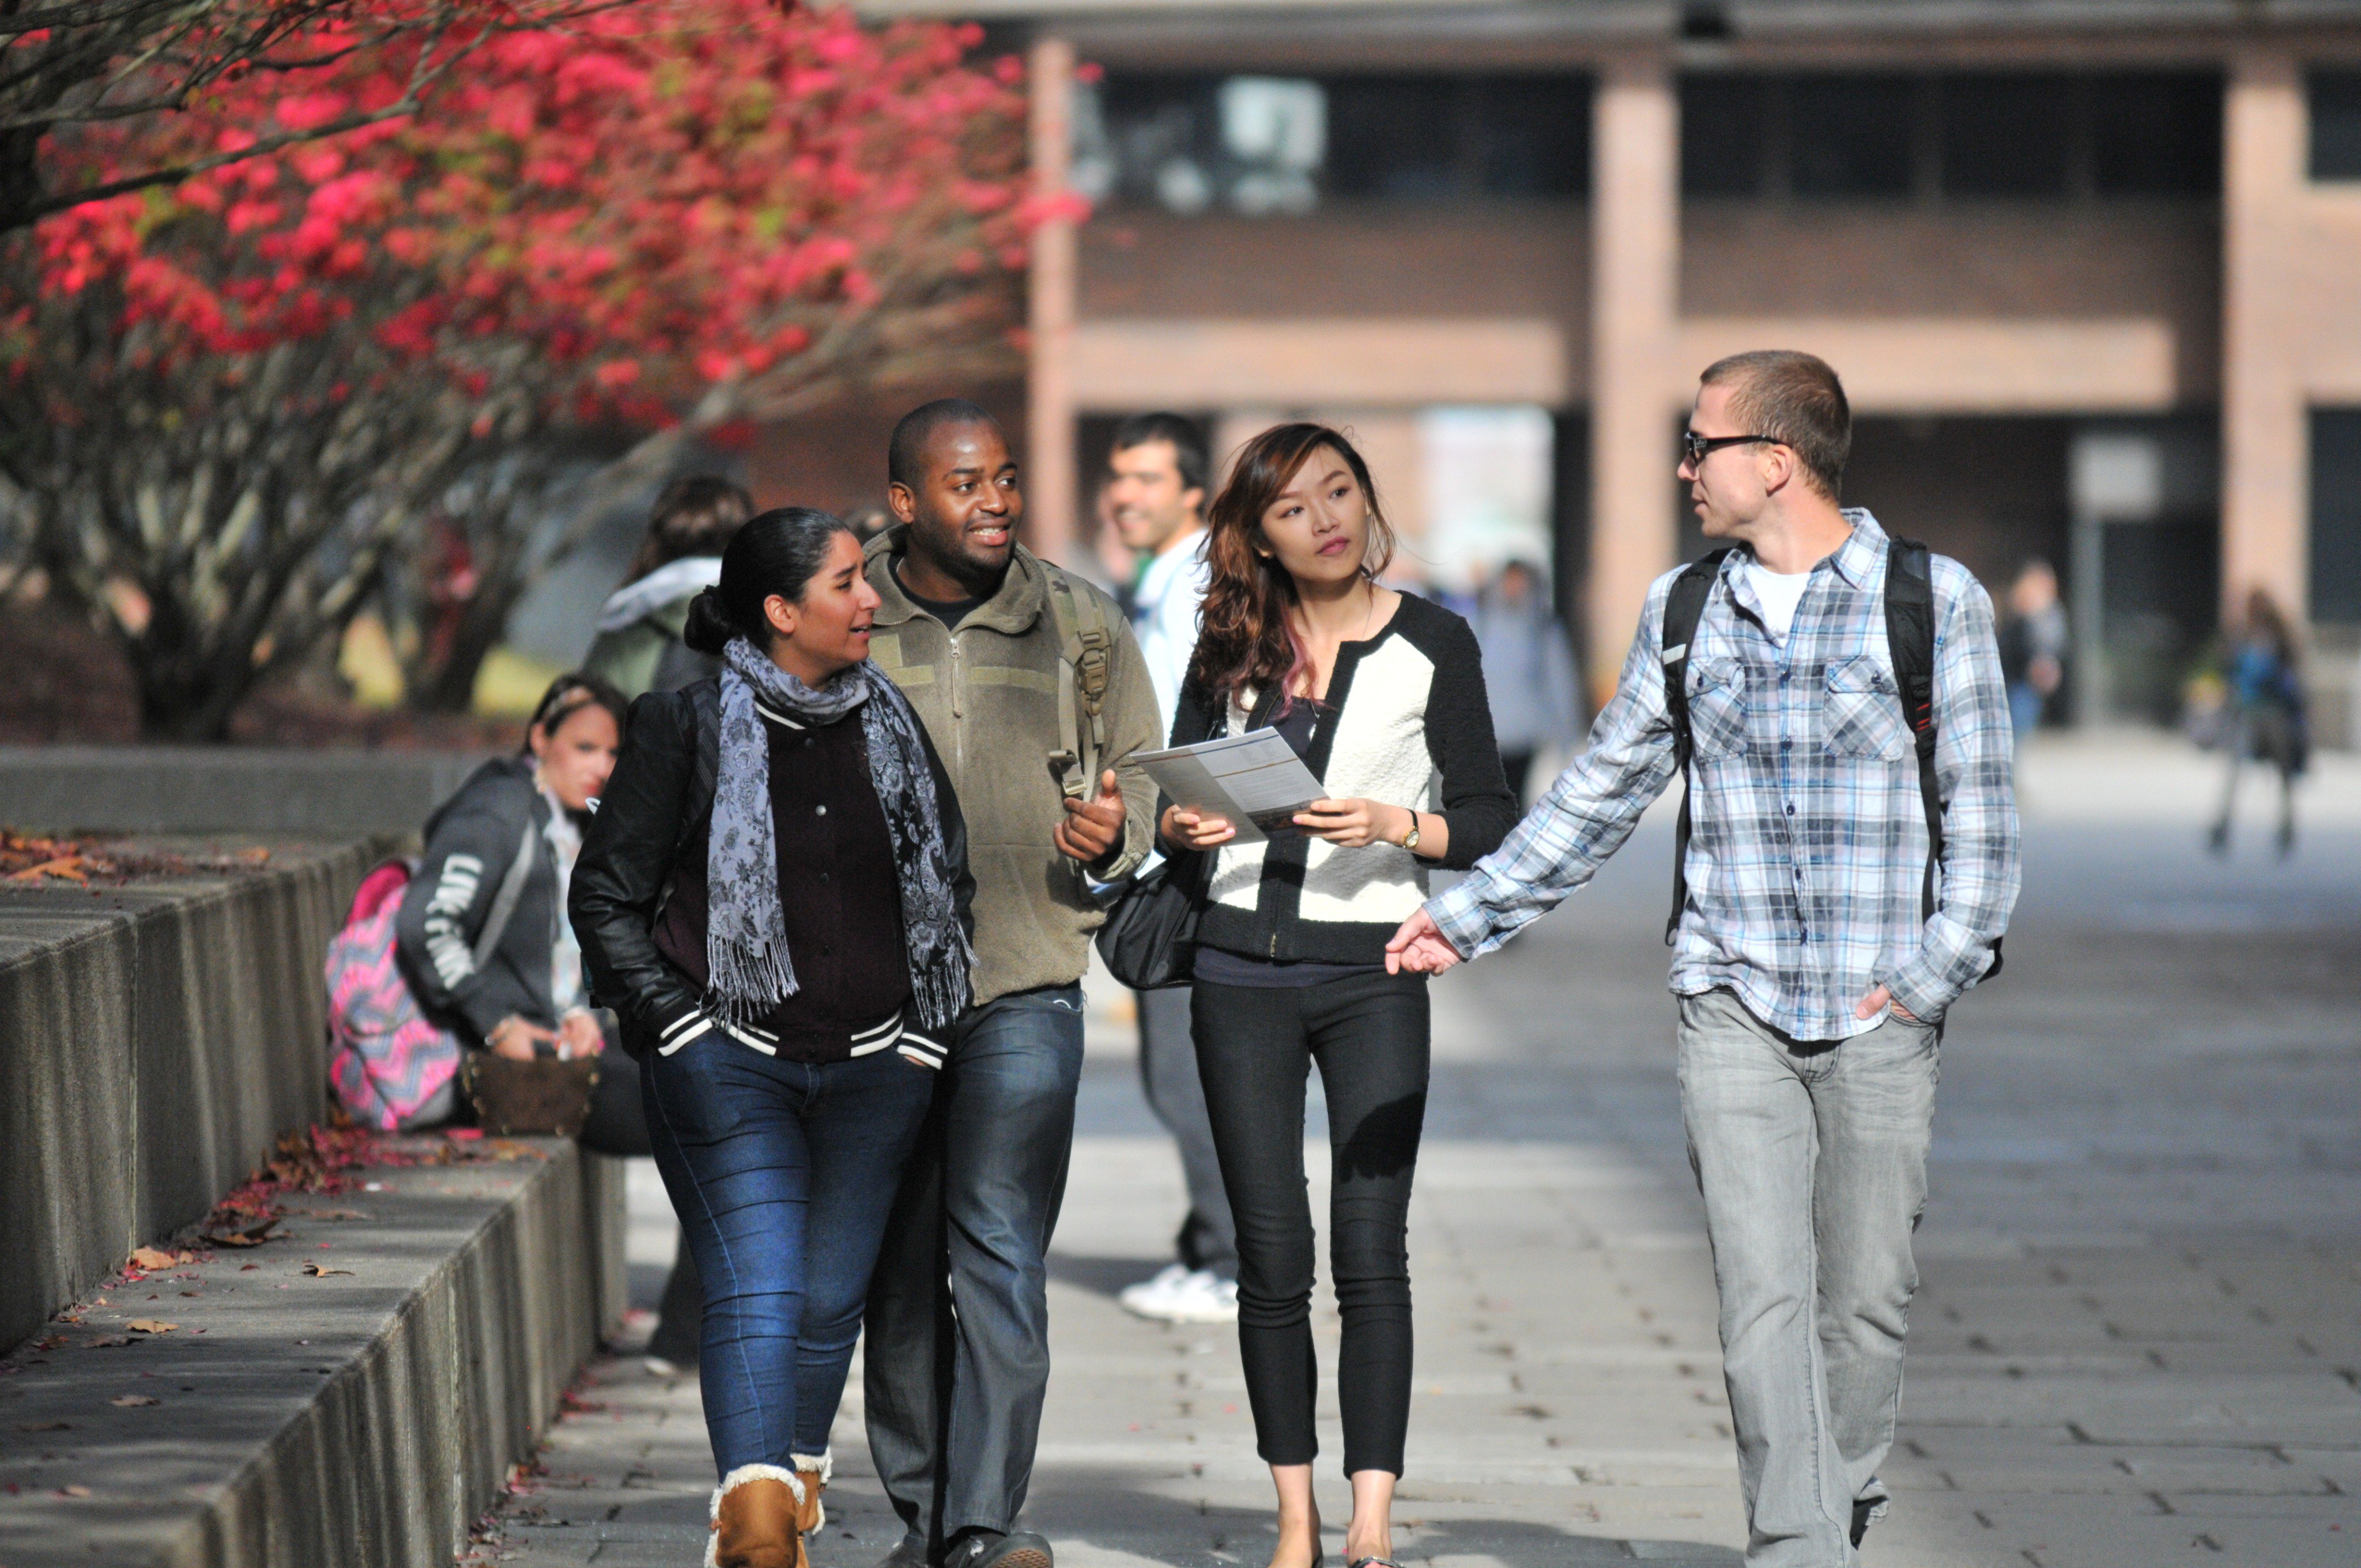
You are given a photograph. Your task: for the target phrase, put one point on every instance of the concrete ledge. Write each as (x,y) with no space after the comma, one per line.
(217,789)
(155,1040)
(359,1420)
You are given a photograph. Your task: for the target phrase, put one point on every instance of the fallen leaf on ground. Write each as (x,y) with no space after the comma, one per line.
(331,1213)
(132,1402)
(152,1259)
(74,1491)
(316,1272)
(110,1341)
(46,1425)
(150,1326)
(247,1268)
(253,1235)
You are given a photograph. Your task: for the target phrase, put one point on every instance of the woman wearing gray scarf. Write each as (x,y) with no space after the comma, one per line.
(773,895)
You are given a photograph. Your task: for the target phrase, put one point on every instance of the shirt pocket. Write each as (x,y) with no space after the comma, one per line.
(1716,692)
(1860,712)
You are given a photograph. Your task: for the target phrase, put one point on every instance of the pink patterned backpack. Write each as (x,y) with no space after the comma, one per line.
(386,1059)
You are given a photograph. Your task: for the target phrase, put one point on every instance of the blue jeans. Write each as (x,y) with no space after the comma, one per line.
(1812,1160)
(954,1398)
(782,1173)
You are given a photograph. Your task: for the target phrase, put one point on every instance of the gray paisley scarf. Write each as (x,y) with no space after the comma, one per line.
(745,945)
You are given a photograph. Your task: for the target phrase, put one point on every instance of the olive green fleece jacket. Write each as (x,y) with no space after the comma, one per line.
(988,695)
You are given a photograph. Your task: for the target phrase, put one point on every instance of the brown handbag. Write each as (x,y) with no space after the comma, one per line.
(542,1098)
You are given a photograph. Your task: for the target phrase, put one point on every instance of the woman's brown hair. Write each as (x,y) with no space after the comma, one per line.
(1244,639)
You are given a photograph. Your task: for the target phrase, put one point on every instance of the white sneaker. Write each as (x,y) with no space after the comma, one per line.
(1181,1295)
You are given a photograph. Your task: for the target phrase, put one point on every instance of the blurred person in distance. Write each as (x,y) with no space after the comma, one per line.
(529,999)
(868,521)
(1155,501)
(776,897)
(638,648)
(2266,718)
(2033,645)
(1528,670)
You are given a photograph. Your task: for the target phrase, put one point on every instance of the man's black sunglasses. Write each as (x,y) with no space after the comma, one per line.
(1695,447)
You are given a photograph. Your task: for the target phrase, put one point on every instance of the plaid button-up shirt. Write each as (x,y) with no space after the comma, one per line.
(1809,834)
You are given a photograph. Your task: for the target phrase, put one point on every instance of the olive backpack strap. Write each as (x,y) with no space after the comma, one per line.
(1085,660)
(1910,643)
(1684,608)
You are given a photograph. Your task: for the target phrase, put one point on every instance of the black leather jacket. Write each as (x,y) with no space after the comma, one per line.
(657,811)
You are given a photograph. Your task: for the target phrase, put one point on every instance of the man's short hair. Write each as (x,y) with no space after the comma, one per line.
(1187,437)
(905,454)
(1796,400)
(694,515)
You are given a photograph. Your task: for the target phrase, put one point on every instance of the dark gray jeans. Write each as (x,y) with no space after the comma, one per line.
(1812,1159)
(954,1396)
(1168,1074)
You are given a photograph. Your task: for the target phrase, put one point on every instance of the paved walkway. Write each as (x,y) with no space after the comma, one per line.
(2137,1340)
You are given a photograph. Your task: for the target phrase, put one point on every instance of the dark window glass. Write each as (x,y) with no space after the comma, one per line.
(1393,137)
(1724,132)
(2336,125)
(2336,516)
(1852,136)
(1532,136)
(2156,135)
(2007,136)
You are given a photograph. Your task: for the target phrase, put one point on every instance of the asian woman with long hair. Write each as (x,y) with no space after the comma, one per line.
(1381,694)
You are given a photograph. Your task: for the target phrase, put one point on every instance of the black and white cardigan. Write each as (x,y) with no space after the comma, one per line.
(1409,725)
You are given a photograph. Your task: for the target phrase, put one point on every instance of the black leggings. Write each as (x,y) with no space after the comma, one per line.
(1255,1047)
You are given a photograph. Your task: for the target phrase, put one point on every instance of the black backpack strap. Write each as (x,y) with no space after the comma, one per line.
(1684,608)
(1910,643)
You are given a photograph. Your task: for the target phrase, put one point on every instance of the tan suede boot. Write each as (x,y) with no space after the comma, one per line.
(813,1471)
(754,1514)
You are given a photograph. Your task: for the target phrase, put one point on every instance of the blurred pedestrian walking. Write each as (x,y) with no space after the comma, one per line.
(639,647)
(2267,719)
(2033,646)
(1033,685)
(1382,696)
(1528,670)
(1848,858)
(1156,500)
(775,896)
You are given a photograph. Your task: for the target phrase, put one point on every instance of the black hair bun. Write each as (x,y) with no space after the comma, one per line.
(709,627)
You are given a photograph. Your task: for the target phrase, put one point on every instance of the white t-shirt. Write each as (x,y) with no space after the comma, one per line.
(1778,594)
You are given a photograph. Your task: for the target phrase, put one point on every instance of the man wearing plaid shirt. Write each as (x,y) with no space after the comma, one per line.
(1812,985)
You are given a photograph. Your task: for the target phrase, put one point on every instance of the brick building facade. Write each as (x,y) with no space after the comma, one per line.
(2092,272)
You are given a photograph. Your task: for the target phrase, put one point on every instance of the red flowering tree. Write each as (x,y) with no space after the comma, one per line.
(251,397)
(89,62)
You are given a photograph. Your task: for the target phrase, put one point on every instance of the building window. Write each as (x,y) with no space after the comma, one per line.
(2336,516)
(1263,145)
(1966,135)
(2335,125)
(2007,136)
(1852,136)
(2156,135)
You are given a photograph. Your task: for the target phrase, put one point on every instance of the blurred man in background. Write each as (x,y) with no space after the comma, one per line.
(1155,497)
(638,648)
(2033,646)
(1528,671)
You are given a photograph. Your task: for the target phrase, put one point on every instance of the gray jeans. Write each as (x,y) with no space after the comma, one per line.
(1812,1158)
(1168,1072)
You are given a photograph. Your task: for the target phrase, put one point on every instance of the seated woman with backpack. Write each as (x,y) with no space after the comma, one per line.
(478,954)
(775,897)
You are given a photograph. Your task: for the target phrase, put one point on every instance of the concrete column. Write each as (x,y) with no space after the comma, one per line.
(1635,389)
(1051,519)
(2265,445)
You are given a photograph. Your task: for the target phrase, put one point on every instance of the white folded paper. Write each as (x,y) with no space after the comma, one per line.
(1255,779)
